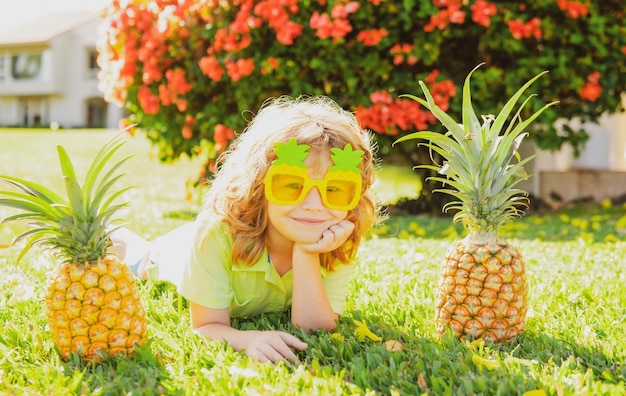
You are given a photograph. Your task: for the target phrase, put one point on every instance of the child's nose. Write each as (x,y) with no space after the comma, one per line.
(313,200)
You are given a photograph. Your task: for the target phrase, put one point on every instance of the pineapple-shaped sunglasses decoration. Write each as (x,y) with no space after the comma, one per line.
(482,288)
(287,181)
(92,300)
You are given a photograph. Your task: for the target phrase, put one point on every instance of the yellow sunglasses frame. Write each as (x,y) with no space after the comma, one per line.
(319,183)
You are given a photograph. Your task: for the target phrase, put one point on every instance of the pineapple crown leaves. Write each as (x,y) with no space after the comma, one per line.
(346,159)
(291,153)
(74,228)
(477,158)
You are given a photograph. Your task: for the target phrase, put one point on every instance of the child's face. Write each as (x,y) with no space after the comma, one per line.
(305,221)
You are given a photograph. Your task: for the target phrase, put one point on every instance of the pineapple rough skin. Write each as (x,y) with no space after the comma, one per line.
(482,291)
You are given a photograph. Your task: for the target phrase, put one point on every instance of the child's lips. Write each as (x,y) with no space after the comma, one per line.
(310,221)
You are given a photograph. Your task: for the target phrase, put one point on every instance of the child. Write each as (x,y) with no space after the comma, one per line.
(280,224)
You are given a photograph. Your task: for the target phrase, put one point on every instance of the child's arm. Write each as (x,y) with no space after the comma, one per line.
(310,309)
(265,346)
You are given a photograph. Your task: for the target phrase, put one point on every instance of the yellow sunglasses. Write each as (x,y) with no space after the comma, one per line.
(288,189)
(288,182)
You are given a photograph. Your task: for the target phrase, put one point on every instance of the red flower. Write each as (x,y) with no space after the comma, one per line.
(411,60)
(325,28)
(239,69)
(176,81)
(271,64)
(381,97)
(222,134)
(148,101)
(390,116)
(340,11)
(288,33)
(442,91)
(190,120)
(573,9)
(321,23)
(450,14)
(401,52)
(456,15)
(592,90)
(439,21)
(521,30)
(432,77)
(211,68)
(186,132)
(181,105)
(165,96)
(516,27)
(594,77)
(231,40)
(276,13)
(372,37)
(482,11)
(151,72)
(340,28)
(534,26)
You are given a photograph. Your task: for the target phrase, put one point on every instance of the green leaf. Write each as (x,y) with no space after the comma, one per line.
(32,188)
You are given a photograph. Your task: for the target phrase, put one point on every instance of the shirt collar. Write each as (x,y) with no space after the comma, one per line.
(265,266)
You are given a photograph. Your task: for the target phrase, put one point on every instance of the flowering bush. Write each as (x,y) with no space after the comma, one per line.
(186,70)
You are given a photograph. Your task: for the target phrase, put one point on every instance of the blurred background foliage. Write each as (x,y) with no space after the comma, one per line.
(188,72)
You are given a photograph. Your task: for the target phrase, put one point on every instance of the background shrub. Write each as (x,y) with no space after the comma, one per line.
(186,70)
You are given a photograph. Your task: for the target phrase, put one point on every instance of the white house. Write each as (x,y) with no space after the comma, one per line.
(598,173)
(49,74)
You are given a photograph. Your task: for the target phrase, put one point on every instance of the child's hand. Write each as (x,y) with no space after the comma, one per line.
(335,236)
(272,346)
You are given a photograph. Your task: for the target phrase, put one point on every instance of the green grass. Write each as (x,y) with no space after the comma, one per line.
(395,182)
(574,343)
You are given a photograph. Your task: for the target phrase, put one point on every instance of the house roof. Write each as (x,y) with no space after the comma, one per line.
(41,31)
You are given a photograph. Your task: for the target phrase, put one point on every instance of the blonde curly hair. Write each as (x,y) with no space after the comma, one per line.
(236,194)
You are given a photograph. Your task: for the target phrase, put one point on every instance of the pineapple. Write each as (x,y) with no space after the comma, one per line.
(93,305)
(346,164)
(482,289)
(291,156)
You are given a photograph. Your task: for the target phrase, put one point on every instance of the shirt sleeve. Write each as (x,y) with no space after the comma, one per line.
(336,285)
(206,279)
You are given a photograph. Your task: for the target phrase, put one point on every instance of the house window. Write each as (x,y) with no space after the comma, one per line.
(26,66)
(33,111)
(96,113)
(92,63)
(2,67)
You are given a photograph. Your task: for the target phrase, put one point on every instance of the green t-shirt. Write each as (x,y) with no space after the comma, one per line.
(209,278)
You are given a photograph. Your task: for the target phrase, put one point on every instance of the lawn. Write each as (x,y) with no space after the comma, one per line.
(574,343)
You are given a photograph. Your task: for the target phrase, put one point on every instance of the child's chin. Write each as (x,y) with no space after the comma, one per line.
(308,239)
